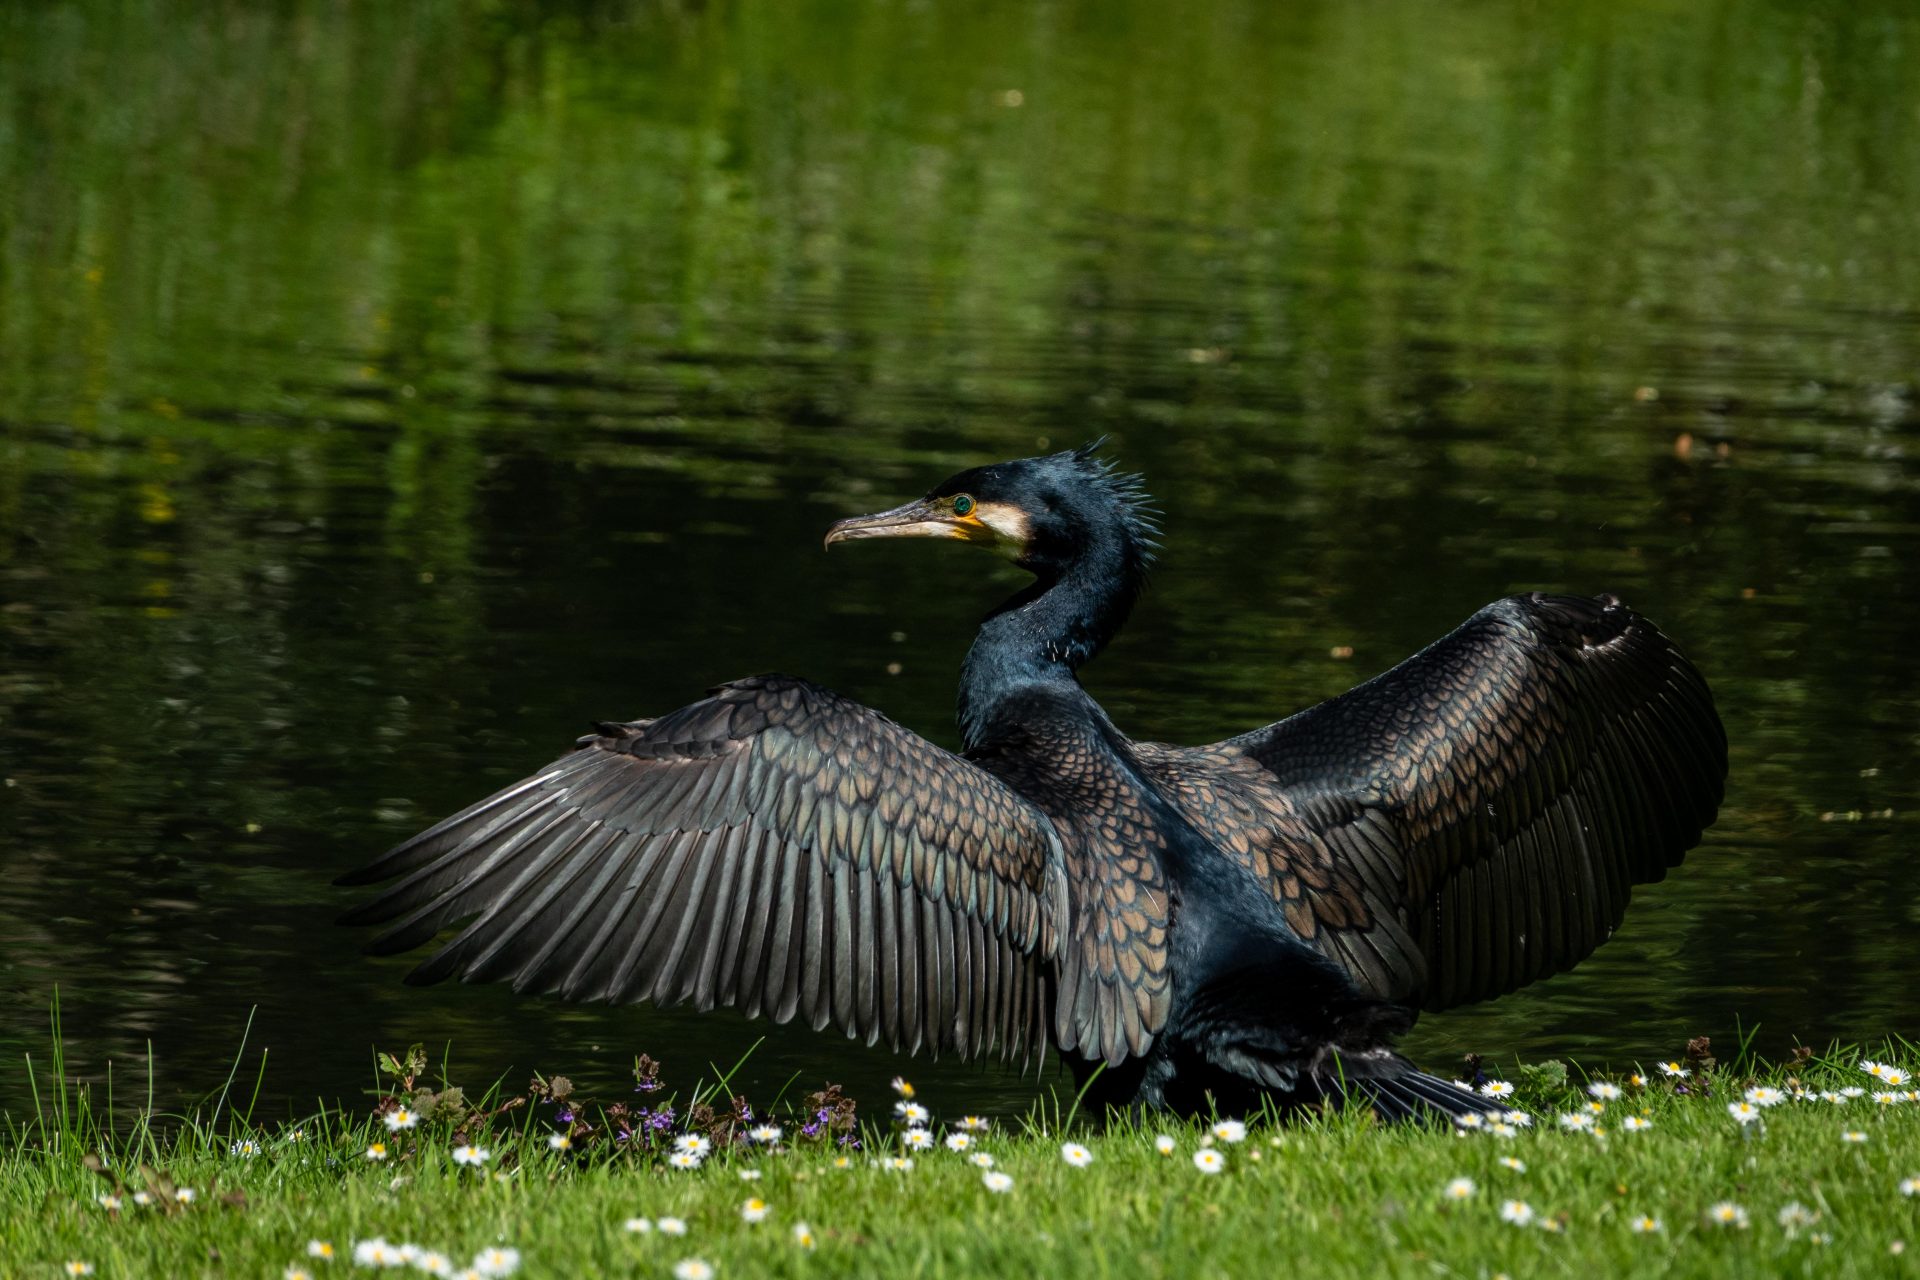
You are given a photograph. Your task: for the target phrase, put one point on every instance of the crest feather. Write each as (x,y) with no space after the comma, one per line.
(1127,488)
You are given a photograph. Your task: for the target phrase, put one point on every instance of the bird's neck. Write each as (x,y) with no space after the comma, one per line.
(1044,634)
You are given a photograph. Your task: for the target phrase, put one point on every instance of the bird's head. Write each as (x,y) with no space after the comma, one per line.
(1045,514)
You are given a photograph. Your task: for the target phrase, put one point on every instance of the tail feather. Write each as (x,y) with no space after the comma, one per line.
(1415,1096)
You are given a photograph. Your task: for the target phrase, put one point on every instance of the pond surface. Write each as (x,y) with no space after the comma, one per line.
(386,392)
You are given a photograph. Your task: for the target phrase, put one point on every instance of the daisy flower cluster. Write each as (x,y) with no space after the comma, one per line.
(1494,1122)
(1796,1220)
(963,1137)
(377,1253)
(1757,1100)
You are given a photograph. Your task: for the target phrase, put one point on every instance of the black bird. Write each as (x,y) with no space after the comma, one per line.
(1193,927)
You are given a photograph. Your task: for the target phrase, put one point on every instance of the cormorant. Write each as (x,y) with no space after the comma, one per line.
(1257,918)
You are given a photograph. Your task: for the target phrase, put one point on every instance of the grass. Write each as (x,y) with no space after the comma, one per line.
(1338,1195)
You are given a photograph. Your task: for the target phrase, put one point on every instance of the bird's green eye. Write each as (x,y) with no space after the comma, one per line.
(963,505)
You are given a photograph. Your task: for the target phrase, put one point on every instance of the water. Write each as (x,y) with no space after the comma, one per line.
(387,392)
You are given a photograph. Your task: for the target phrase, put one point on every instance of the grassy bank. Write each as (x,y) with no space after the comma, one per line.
(1660,1179)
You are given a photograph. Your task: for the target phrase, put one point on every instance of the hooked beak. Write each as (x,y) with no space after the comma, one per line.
(916,519)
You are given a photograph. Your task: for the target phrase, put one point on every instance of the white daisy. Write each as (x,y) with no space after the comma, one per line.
(1496,1089)
(803,1235)
(917,1140)
(1508,1162)
(685,1159)
(996,1182)
(1853,1136)
(1761,1096)
(472,1155)
(980,1160)
(1646,1224)
(1518,1212)
(1576,1120)
(959,1141)
(374,1253)
(1076,1155)
(1208,1160)
(1230,1131)
(693,1269)
(321,1249)
(401,1118)
(434,1264)
(765,1133)
(973,1124)
(496,1262)
(693,1144)
(559,1142)
(1163,1144)
(638,1226)
(1674,1071)
(1744,1112)
(1635,1124)
(1726,1213)
(1603,1090)
(672,1226)
(754,1210)
(911,1112)
(1460,1189)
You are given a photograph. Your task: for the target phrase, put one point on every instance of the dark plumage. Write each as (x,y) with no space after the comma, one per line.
(1212,925)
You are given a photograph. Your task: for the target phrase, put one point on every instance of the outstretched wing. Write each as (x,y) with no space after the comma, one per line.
(1474,819)
(774,847)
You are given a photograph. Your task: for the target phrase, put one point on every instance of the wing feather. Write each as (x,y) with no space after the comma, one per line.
(775,847)
(1480,813)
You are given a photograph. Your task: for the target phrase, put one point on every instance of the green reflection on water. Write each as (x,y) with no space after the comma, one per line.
(385,391)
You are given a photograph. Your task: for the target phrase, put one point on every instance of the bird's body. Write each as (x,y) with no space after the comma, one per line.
(1190,927)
